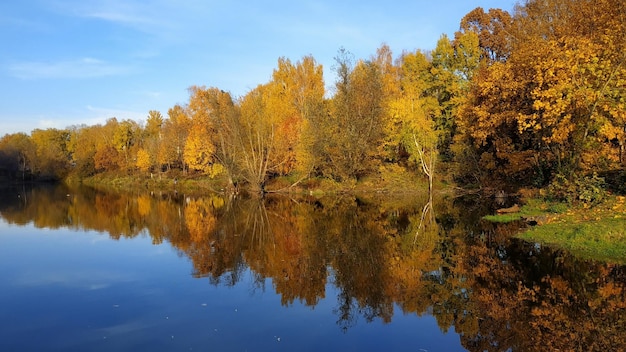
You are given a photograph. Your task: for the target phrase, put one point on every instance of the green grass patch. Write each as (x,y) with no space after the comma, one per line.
(533,209)
(597,232)
(503,218)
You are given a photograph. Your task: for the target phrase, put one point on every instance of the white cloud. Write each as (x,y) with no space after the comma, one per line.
(80,68)
(45,124)
(147,17)
(120,17)
(99,114)
(90,116)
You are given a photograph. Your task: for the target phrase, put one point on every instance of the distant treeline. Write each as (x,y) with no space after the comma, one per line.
(523,97)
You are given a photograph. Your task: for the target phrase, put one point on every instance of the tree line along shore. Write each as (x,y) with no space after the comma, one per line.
(534,98)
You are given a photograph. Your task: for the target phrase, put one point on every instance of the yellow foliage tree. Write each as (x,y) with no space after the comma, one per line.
(298,98)
(144,162)
(198,151)
(175,131)
(413,112)
(209,109)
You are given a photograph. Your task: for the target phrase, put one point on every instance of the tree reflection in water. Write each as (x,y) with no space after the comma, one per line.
(433,258)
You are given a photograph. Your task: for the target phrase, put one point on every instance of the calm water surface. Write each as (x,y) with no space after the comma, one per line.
(84,270)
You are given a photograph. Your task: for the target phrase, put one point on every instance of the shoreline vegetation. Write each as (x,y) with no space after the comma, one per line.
(532,99)
(388,180)
(594,231)
(591,231)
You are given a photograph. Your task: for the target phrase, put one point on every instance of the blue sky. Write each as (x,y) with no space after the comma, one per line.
(68,62)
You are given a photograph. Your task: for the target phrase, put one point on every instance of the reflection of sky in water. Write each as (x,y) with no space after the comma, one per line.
(64,290)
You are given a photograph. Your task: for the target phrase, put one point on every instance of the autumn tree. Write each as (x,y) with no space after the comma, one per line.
(107,157)
(82,147)
(224,119)
(353,132)
(150,141)
(154,123)
(423,120)
(299,95)
(92,150)
(273,131)
(555,101)
(44,154)
(125,138)
(17,154)
(391,89)
(143,160)
(198,151)
(413,111)
(282,109)
(256,137)
(52,153)
(211,144)
(493,31)
(175,131)
(580,73)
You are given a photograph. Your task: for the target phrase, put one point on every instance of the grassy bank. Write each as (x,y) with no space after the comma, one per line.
(597,232)
(392,179)
(156,183)
(534,209)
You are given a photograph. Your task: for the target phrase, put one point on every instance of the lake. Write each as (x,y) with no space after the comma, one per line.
(86,270)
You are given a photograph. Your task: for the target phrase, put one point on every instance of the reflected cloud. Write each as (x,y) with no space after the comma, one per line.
(87,280)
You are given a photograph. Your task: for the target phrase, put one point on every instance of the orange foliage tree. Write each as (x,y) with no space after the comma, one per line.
(556,99)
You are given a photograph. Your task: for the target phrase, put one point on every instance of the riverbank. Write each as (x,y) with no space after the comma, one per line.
(594,232)
(390,180)
(597,232)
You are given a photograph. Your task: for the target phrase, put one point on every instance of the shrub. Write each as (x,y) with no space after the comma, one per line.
(589,190)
